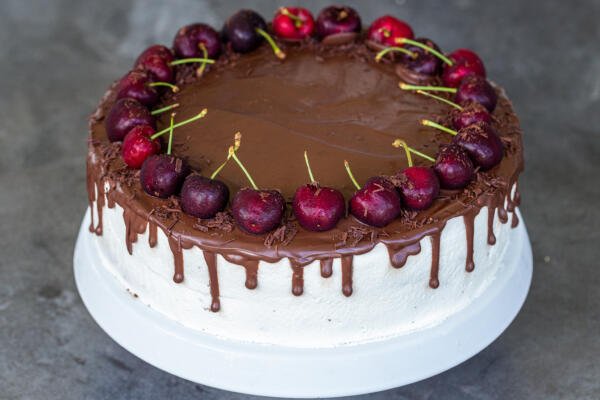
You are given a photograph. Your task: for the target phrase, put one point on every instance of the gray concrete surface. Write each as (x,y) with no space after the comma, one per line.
(56,59)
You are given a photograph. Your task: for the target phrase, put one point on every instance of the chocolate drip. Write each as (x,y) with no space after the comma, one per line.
(91,190)
(398,254)
(251,267)
(512,205)
(175,245)
(326,267)
(297,278)
(469,219)
(490,225)
(502,214)
(347,275)
(435,260)
(152,234)
(134,226)
(211,263)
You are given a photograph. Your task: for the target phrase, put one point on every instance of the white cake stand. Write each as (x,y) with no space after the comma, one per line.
(292,372)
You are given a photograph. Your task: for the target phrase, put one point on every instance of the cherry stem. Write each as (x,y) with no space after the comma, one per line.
(280,54)
(170,134)
(173,88)
(164,109)
(383,52)
(398,142)
(426,48)
(402,143)
(237,160)
(236,146)
(297,20)
(202,114)
(435,125)
(310,174)
(200,70)
(192,60)
(406,86)
(438,98)
(352,178)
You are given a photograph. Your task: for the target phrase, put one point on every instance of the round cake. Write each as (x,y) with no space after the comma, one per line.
(305,183)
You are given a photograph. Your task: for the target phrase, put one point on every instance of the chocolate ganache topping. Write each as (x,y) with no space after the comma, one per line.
(337,103)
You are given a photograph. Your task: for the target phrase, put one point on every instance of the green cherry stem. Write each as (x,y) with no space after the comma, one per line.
(200,70)
(398,142)
(192,60)
(426,122)
(237,160)
(426,48)
(164,109)
(402,143)
(280,54)
(200,115)
(351,175)
(297,20)
(387,50)
(236,146)
(438,98)
(406,86)
(170,134)
(310,174)
(173,88)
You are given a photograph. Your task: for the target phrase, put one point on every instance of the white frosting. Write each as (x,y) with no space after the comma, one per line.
(385,301)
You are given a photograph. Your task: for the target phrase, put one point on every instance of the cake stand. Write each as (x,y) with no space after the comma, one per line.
(299,372)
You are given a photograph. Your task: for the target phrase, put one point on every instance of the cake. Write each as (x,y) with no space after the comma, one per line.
(304,183)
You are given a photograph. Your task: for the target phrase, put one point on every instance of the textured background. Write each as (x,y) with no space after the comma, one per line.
(57,58)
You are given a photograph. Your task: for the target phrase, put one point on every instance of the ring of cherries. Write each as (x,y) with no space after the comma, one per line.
(317,208)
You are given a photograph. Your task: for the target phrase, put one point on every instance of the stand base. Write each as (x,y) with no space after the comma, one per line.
(292,372)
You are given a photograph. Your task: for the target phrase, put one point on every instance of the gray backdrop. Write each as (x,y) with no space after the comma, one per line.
(57,58)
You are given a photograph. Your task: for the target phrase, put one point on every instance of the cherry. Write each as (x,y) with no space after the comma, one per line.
(419,186)
(295,23)
(385,30)
(162,175)
(317,208)
(124,115)
(482,143)
(155,60)
(137,146)
(203,197)
(377,203)
(337,19)
(478,89)
(453,167)
(425,62)
(466,63)
(136,85)
(254,210)
(190,40)
(471,113)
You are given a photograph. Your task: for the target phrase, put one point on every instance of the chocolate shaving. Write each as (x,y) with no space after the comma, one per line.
(223,221)
(354,235)
(282,235)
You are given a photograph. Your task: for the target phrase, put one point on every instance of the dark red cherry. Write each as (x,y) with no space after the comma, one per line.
(337,19)
(419,186)
(453,167)
(135,85)
(466,63)
(162,175)
(478,89)
(203,197)
(240,30)
(137,146)
(385,30)
(188,39)
(318,208)
(481,143)
(425,63)
(258,211)
(294,23)
(471,113)
(124,115)
(155,60)
(377,203)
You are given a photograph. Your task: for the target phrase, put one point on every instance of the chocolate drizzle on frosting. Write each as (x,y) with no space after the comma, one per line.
(335,102)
